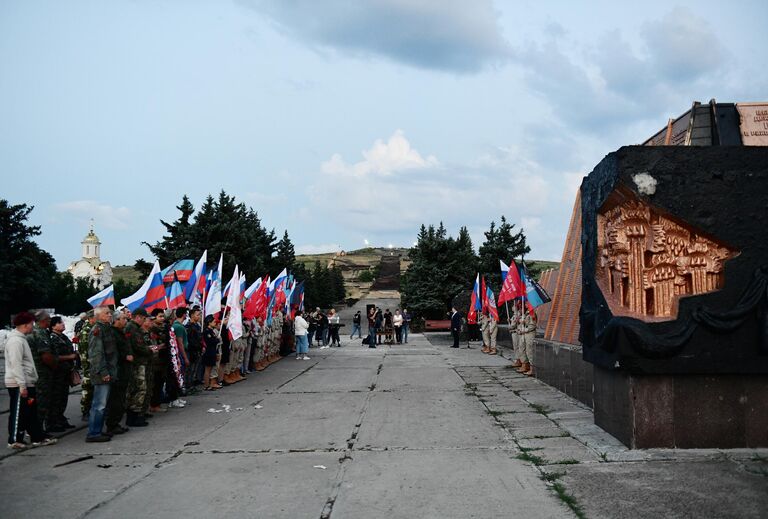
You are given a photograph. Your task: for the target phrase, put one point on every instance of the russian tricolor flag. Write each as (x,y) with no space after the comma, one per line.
(213,298)
(193,290)
(104,298)
(151,295)
(475,302)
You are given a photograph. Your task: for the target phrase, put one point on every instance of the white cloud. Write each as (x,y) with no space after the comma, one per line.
(395,190)
(103,215)
(383,158)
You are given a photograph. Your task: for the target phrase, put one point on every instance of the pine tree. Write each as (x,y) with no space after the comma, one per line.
(286,255)
(500,244)
(27,270)
(441,268)
(178,241)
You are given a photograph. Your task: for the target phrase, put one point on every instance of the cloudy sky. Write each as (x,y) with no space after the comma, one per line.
(345,121)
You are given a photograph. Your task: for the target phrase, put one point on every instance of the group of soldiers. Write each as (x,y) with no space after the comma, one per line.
(522,328)
(132,358)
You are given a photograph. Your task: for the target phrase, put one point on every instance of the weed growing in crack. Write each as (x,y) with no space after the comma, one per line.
(568,499)
(551,477)
(541,409)
(569,461)
(527,456)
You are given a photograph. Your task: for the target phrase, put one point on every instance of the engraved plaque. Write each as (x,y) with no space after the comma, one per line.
(753,123)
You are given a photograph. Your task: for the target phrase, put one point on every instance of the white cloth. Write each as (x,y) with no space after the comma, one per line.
(397,320)
(19,365)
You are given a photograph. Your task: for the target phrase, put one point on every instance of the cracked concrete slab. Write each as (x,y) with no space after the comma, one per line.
(439,484)
(427,419)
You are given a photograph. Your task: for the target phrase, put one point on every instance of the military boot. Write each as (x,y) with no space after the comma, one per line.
(517,364)
(485,349)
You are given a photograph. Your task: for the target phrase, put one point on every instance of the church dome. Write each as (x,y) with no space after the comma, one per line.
(91,238)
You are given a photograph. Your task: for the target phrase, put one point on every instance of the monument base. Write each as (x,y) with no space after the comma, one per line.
(682,411)
(562,367)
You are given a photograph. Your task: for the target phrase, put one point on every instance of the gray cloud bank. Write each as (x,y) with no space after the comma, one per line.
(448,35)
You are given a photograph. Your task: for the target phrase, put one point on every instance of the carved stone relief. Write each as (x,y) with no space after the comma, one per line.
(647,261)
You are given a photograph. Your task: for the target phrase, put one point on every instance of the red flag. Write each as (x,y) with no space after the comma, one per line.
(474,304)
(493,313)
(483,296)
(513,287)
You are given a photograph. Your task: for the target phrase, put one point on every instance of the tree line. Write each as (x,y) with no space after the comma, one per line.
(222,225)
(443,267)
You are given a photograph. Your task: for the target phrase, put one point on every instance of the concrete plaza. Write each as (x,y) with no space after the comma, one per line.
(416,430)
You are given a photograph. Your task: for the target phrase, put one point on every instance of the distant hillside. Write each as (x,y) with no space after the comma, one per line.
(127,273)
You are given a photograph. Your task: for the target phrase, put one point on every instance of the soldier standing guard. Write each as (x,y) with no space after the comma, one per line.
(138,340)
(117,393)
(492,330)
(82,349)
(45,364)
(62,349)
(527,329)
(514,323)
(102,353)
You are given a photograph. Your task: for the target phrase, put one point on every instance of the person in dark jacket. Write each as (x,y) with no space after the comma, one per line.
(65,354)
(455,326)
(102,354)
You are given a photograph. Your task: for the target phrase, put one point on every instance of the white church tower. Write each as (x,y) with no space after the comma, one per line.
(90,265)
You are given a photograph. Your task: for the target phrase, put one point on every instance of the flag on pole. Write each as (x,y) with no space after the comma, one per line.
(176,297)
(474,302)
(534,293)
(483,296)
(251,289)
(235,323)
(104,298)
(181,270)
(492,311)
(194,288)
(151,295)
(513,287)
(213,299)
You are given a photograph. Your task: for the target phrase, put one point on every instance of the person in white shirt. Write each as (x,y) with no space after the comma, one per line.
(20,379)
(397,322)
(300,329)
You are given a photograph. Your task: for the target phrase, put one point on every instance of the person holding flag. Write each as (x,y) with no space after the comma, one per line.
(491,320)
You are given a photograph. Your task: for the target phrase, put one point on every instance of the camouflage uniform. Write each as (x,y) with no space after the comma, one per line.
(149,370)
(161,366)
(60,345)
(40,343)
(137,401)
(514,324)
(490,331)
(85,384)
(117,393)
(527,331)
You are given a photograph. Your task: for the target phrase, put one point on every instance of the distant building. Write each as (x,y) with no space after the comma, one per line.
(90,265)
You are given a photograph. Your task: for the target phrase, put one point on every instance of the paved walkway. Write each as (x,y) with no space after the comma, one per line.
(417,430)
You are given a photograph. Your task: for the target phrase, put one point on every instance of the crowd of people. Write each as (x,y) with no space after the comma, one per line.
(394,327)
(522,328)
(130,366)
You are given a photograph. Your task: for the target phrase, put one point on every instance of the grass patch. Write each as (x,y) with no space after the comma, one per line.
(527,456)
(496,413)
(541,409)
(569,461)
(551,477)
(568,500)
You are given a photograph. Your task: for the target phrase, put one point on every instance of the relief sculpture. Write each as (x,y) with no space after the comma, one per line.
(647,261)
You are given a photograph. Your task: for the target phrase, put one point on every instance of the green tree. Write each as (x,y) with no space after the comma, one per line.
(222,226)
(501,243)
(69,296)
(441,267)
(285,253)
(27,270)
(178,241)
